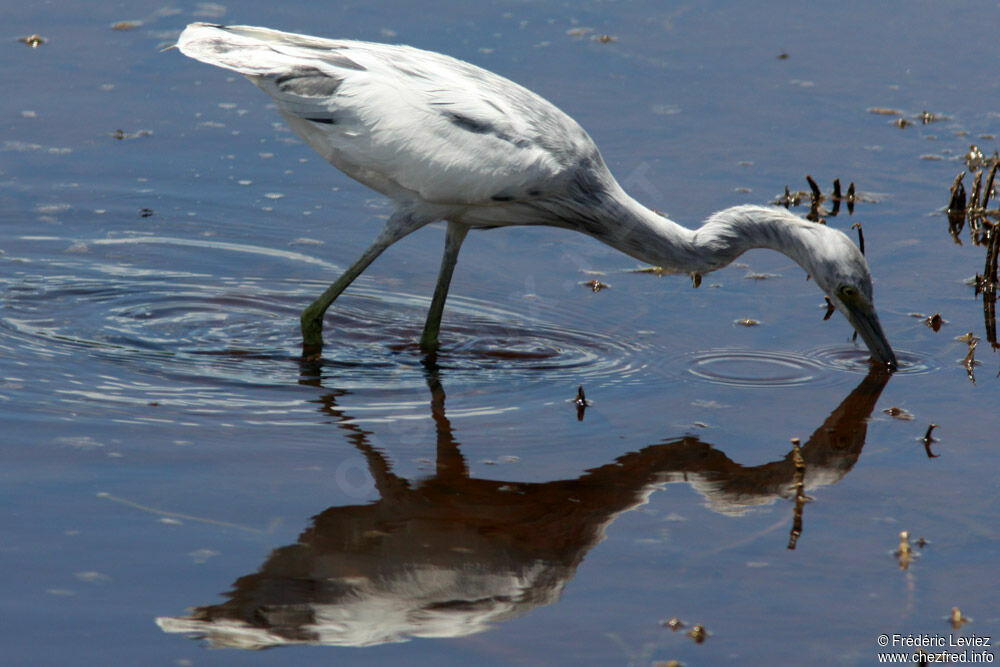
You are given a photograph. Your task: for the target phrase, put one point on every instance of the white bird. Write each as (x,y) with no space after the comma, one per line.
(446,140)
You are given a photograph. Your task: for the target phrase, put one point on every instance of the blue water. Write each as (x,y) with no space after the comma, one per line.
(175,478)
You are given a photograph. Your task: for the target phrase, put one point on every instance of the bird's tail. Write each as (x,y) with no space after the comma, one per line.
(249,50)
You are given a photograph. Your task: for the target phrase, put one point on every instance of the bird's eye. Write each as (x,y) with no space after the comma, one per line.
(848,292)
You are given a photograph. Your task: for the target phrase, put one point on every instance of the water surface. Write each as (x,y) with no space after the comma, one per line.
(176,478)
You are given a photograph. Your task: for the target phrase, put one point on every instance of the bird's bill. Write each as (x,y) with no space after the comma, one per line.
(866,323)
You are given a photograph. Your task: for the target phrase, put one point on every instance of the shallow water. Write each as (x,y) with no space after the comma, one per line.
(166,449)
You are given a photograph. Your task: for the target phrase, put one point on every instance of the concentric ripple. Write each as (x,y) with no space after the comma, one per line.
(754,369)
(200,330)
(780,369)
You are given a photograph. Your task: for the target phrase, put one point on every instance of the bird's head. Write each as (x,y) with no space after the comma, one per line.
(840,270)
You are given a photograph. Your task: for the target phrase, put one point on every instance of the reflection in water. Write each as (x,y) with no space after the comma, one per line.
(448,555)
(984,230)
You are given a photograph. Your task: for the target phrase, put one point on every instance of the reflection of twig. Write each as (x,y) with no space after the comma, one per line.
(176,515)
(800,493)
(984,230)
(970,357)
(929,440)
(581,403)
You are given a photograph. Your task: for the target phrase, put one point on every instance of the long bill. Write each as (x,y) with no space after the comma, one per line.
(865,320)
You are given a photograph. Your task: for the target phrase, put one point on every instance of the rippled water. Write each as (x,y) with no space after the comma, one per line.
(177,477)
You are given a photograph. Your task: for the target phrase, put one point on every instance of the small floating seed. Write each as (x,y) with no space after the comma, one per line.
(904,553)
(899,413)
(674,623)
(34,41)
(935,321)
(885,111)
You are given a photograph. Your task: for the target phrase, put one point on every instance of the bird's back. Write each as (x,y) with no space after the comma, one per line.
(421,127)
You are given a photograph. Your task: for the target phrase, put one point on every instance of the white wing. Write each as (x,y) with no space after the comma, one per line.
(415,125)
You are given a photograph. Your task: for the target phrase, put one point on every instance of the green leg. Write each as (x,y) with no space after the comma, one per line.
(312,317)
(452,244)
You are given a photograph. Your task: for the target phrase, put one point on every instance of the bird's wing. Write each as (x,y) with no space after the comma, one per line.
(407,122)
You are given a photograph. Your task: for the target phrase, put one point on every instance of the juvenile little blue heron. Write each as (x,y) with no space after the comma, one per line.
(446,140)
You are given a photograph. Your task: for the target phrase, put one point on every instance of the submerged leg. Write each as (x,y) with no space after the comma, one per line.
(452,244)
(395,228)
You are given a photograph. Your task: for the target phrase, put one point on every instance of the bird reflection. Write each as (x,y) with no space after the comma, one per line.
(448,555)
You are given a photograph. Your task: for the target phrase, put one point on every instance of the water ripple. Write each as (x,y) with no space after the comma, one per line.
(749,368)
(754,369)
(204,330)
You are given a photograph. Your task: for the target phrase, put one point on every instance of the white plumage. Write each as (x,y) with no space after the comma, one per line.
(446,140)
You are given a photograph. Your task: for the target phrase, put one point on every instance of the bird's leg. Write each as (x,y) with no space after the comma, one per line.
(452,244)
(312,317)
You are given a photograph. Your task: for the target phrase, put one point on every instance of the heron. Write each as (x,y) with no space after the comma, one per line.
(448,141)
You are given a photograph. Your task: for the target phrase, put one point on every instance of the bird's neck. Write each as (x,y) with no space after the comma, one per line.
(724,236)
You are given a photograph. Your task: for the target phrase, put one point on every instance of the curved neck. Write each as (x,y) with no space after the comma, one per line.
(722,238)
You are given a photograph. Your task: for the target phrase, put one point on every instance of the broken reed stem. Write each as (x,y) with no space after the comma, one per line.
(977,184)
(989,185)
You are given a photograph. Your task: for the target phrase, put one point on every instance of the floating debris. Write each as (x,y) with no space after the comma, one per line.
(698,633)
(655,270)
(126,25)
(747,322)
(884,111)
(935,322)
(121,134)
(924,117)
(595,285)
(904,553)
(957,618)
(899,413)
(674,623)
(974,158)
(755,275)
(605,39)
(146,213)
(34,41)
